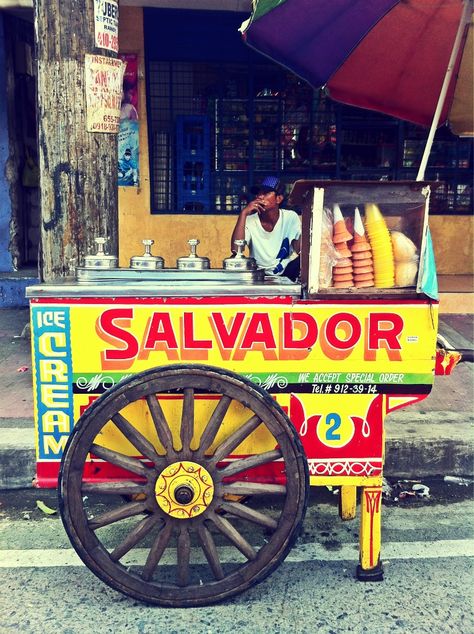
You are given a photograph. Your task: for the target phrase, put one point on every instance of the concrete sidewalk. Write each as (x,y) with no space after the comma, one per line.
(434,437)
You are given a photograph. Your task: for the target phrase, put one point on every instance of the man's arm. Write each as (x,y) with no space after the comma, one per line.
(296,244)
(239,229)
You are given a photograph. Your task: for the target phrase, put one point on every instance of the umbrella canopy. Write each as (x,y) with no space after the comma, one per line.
(390,56)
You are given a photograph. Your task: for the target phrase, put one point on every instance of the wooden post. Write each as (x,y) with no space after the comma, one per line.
(78,169)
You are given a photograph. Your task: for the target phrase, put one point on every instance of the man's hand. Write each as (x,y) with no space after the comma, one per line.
(254,206)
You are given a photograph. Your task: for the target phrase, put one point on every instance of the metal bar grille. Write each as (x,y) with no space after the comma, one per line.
(260,120)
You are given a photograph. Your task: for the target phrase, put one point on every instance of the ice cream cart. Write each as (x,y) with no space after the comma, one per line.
(186,410)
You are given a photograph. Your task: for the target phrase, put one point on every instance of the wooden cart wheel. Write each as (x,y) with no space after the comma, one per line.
(179,540)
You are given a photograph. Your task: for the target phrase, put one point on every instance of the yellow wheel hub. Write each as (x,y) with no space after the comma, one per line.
(184,490)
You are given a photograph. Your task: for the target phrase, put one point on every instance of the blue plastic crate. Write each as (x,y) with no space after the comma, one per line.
(193,136)
(193,159)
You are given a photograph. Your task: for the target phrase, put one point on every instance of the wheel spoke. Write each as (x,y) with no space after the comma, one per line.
(234,440)
(110,488)
(120,513)
(214,423)
(137,439)
(210,550)
(253,488)
(187,418)
(228,530)
(183,555)
(246,513)
(138,533)
(248,463)
(159,420)
(120,460)
(156,551)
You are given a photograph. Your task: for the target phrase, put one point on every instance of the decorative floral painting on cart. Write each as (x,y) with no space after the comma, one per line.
(128,137)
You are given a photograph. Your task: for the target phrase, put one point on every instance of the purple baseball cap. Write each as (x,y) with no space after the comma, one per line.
(269,184)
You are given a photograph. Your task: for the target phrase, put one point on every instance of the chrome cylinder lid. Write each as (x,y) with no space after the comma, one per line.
(147,260)
(100,260)
(193,260)
(239,262)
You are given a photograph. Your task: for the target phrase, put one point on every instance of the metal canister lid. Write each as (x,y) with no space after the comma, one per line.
(193,260)
(100,260)
(147,260)
(238,261)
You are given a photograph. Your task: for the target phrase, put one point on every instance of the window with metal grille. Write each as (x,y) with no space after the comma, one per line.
(218,127)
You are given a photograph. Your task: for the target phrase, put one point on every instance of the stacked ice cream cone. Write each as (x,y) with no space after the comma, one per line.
(342,270)
(381,245)
(363,267)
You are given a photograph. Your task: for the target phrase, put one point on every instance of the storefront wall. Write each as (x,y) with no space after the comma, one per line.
(171,232)
(453,244)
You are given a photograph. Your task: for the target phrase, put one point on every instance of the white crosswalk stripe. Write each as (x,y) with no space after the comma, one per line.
(48,558)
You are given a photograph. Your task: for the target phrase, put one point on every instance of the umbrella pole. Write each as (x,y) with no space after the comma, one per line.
(465,18)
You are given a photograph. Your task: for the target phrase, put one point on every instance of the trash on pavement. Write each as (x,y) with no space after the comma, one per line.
(23,368)
(386,488)
(46,509)
(421,490)
(403,489)
(457,480)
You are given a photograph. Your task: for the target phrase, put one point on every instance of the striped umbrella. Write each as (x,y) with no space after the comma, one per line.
(411,59)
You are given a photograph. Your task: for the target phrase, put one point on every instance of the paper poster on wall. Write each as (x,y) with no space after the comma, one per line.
(128,154)
(128,138)
(129,106)
(106,19)
(104,79)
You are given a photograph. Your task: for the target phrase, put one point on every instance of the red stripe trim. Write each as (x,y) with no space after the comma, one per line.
(229,301)
(382,302)
(284,300)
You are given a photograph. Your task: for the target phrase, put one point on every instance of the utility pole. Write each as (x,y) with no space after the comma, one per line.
(78,169)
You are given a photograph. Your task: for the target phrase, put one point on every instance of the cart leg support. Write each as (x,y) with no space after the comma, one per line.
(347,502)
(370,568)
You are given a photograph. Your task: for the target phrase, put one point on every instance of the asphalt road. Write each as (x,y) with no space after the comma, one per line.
(427,550)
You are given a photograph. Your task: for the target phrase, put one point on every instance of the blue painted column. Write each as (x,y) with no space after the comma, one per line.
(5,203)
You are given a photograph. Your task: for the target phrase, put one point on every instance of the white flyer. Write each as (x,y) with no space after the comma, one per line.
(106,19)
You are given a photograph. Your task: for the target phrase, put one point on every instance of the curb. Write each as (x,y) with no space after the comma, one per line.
(430,444)
(417,445)
(17,458)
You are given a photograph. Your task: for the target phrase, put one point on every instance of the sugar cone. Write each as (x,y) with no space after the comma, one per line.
(364,269)
(341,273)
(342,269)
(343,262)
(357,263)
(361,246)
(364,283)
(362,255)
(364,277)
(359,231)
(343,251)
(340,233)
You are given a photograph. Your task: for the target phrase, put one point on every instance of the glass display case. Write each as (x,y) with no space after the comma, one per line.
(362,237)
